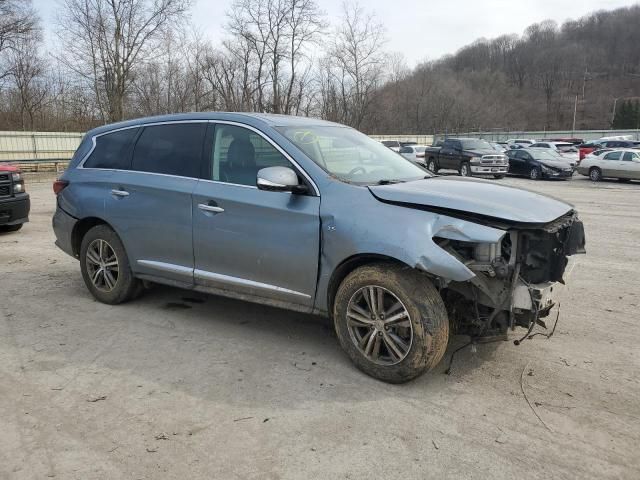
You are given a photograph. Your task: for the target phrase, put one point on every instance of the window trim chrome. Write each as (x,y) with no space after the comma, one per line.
(211,121)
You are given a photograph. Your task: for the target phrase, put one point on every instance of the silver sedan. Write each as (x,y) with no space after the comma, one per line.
(621,164)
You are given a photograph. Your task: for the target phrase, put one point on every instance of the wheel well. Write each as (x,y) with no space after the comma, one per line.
(80,230)
(348,266)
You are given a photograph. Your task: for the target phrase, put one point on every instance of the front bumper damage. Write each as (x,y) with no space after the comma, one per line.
(517,281)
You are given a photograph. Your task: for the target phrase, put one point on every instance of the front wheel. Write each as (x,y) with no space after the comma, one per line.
(465,169)
(535,173)
(391,321)
(595,174)
(105,267)
(432,166)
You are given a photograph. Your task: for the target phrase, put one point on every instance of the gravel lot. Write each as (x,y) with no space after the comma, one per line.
(183,385)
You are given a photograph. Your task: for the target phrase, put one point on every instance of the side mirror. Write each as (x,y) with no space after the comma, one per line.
(279,179)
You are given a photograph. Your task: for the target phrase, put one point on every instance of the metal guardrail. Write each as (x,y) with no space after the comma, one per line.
(36,165)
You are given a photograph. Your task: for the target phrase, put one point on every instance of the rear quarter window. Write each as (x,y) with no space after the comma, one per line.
(112,150)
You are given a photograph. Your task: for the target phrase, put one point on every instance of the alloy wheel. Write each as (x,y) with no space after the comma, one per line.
(432,166)
(379,325)
(102,265)
(534,174)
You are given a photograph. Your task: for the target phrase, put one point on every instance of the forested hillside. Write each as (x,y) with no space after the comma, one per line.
(524,82)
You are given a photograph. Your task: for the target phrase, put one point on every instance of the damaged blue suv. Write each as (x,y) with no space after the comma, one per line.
(313,216)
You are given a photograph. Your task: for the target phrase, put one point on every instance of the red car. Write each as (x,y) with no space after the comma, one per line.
(14,202)
(587,148)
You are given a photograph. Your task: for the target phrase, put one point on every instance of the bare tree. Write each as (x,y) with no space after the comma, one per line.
(17,21)
(26,69)
(355,64)
(105,40)
(278,34)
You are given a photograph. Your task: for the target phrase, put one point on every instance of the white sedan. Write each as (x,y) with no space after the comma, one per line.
(620,164)
(567,150)
(415,153)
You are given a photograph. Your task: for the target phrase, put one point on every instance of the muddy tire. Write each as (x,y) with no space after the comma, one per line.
(105,267)
(394,348)
(595,174)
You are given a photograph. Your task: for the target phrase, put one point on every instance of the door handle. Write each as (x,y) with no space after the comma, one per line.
(210,208)
(119,193)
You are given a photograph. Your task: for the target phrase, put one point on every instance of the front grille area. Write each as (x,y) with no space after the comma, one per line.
(4,177)
(5,190)
(493,160)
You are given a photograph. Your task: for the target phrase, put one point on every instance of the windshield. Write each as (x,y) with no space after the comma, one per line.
(545,155)
(352,156)
(475,145)
(420,149)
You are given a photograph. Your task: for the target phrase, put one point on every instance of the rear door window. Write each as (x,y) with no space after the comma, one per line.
(171,149)
(628,156)
(613,156)
(113,150)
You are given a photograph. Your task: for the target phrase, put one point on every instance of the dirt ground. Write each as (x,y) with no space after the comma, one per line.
(188,386)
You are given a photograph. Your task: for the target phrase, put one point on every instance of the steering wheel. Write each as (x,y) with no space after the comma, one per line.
(353,171)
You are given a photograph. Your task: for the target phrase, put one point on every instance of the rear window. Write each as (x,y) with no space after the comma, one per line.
(112,150)
(173,149)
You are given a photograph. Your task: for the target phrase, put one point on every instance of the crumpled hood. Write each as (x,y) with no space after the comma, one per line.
(474,197)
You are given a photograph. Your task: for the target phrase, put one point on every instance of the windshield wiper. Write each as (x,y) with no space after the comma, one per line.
(389,181)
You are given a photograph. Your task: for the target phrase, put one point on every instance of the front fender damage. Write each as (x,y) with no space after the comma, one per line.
(443,263)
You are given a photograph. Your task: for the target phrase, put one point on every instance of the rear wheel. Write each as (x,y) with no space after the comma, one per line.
(10,228)
(595,174)
(535,173)
(105,267)
(432,166)
(465,169)
(391,321)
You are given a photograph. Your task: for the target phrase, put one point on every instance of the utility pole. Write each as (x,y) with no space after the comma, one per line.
(575,110)
(613,114)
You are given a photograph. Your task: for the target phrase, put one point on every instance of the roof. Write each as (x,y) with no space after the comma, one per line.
(250,118)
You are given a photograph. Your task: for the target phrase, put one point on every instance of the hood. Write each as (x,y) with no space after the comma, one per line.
(560,163)
(478,152)
(462,197)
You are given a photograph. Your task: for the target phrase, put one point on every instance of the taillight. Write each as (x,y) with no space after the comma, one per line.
(59,185)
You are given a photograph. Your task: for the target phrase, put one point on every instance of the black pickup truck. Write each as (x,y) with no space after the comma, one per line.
(469,156)
(14,202)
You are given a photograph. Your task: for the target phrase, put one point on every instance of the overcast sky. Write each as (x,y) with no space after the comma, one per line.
(421,29)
